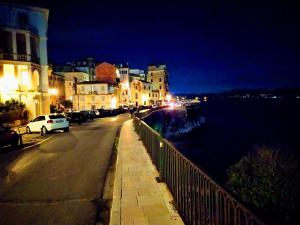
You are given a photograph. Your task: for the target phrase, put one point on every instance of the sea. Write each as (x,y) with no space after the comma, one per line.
(235,127)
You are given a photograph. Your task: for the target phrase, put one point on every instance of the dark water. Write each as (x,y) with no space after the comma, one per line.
(235,127)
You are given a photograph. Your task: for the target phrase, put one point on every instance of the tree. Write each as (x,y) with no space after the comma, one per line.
(268,179)
(12,104)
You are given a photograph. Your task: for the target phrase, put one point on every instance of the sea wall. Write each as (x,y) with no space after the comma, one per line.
(176,121)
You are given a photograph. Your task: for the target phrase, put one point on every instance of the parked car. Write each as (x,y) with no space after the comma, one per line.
(96,112)
(91,115)
(8,137)
(47,123)
(76,117)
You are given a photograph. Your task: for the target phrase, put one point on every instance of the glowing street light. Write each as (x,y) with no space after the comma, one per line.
(169,97)
(53,91)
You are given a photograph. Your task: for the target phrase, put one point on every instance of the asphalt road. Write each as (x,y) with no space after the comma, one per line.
(58,181)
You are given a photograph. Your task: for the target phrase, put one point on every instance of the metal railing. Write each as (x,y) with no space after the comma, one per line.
(199,199)
(18,57)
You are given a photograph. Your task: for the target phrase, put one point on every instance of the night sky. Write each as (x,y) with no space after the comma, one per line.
(209,46)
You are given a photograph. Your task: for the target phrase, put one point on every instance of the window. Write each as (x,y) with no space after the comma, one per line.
(39,118)
(102,89)
(56,117)
(151,80)
(149,94)
(135,87)
(149,88)
(6,42)
(144,87)
(21,43)
(34,47)
(159,87)
(159,79)
(151,74)
(136,95)
(70,84)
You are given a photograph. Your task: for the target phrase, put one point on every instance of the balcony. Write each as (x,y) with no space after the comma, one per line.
(19,57)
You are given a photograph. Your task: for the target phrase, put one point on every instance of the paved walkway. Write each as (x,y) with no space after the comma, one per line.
(137,198)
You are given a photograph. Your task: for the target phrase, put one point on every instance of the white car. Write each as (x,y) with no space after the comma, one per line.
(96,112)
(46,123)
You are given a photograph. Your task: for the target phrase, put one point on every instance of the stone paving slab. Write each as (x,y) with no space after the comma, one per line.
(137,198)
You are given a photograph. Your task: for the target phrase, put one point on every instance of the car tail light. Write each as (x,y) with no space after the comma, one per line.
(50,121)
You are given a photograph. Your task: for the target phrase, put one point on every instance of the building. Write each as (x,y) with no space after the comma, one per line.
(95,95)
(158,76)
(86,66)
(107,73)
(70,80)
(124,87)
(23,56)
(136,74)
(56,87)
(141,93)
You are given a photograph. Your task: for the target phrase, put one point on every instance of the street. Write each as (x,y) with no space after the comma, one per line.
(58,181)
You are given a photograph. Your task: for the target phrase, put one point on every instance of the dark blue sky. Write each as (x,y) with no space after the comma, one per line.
(208,46)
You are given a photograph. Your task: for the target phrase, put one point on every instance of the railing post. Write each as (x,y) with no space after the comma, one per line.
(161,161)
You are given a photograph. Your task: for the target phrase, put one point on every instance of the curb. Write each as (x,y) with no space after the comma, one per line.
(104,203)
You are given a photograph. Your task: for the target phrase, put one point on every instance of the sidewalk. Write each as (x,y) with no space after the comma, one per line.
(137,198)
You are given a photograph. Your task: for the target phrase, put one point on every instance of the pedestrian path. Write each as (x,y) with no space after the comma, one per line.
(137,197)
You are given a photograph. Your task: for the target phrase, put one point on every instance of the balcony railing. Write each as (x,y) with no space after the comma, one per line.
(199,199)
(18,57)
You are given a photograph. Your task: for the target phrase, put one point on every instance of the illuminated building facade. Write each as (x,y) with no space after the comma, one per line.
(106,72)
(124,87)
(71,78)
(23,56)
(141,93)
(95,95)
(56,87)
(158,76)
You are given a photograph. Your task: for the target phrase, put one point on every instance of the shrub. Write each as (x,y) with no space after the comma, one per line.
(268,179)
